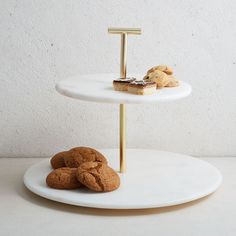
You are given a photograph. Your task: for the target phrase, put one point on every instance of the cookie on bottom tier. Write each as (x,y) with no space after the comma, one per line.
(122,83)
(57,161)
(98,177)
(78,155)
(142,87)
(63,178)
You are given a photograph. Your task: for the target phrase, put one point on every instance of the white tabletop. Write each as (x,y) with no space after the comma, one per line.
(98,88)
(24,213)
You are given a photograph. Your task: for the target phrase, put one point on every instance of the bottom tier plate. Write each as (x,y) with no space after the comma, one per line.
(153,179)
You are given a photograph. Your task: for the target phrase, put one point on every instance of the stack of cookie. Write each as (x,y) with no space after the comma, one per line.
(162,75)
(157,77)
(82,166)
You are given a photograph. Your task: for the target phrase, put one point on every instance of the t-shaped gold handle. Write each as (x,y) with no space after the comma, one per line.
(123,57)
(123,66)
(124,30)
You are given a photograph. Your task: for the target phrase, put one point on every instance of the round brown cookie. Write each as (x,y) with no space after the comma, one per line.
(57,161)
(63,178)
(98,176)
(159,77)
(76,156)
(173,82)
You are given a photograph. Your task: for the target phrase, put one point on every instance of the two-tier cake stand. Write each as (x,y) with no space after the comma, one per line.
(152,178)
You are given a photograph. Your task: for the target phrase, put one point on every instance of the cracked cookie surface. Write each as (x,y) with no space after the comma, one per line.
(98,176)
(76,156)
(63,178)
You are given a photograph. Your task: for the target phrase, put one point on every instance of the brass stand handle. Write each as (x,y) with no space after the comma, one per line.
(123,69)
(124,30)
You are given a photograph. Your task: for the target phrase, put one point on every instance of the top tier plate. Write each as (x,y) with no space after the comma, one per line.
(98,88)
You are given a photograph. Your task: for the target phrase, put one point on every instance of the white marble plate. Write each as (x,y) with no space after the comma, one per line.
(153,179)
(98,88)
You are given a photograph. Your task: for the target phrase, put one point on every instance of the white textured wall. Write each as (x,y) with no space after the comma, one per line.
(44,41)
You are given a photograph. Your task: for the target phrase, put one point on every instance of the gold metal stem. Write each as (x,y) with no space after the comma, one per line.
(123,56)
(123,70)
(122,138)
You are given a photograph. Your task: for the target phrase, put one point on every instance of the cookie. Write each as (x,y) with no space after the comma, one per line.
(76,156)
(63,178)
(146,77)
(57,161)
(151,70)
(98,176)
(159,77)
(173,82)
(142,87)
(166,69)
(122,83)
